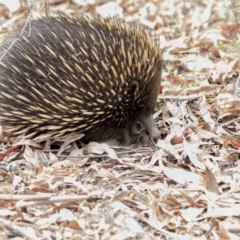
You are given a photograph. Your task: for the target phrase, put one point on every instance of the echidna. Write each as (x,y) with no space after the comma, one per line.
(90,75)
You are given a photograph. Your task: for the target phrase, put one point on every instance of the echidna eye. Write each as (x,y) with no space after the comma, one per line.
(147,112)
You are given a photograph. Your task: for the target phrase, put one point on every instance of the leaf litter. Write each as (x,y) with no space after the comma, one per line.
(184,186)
